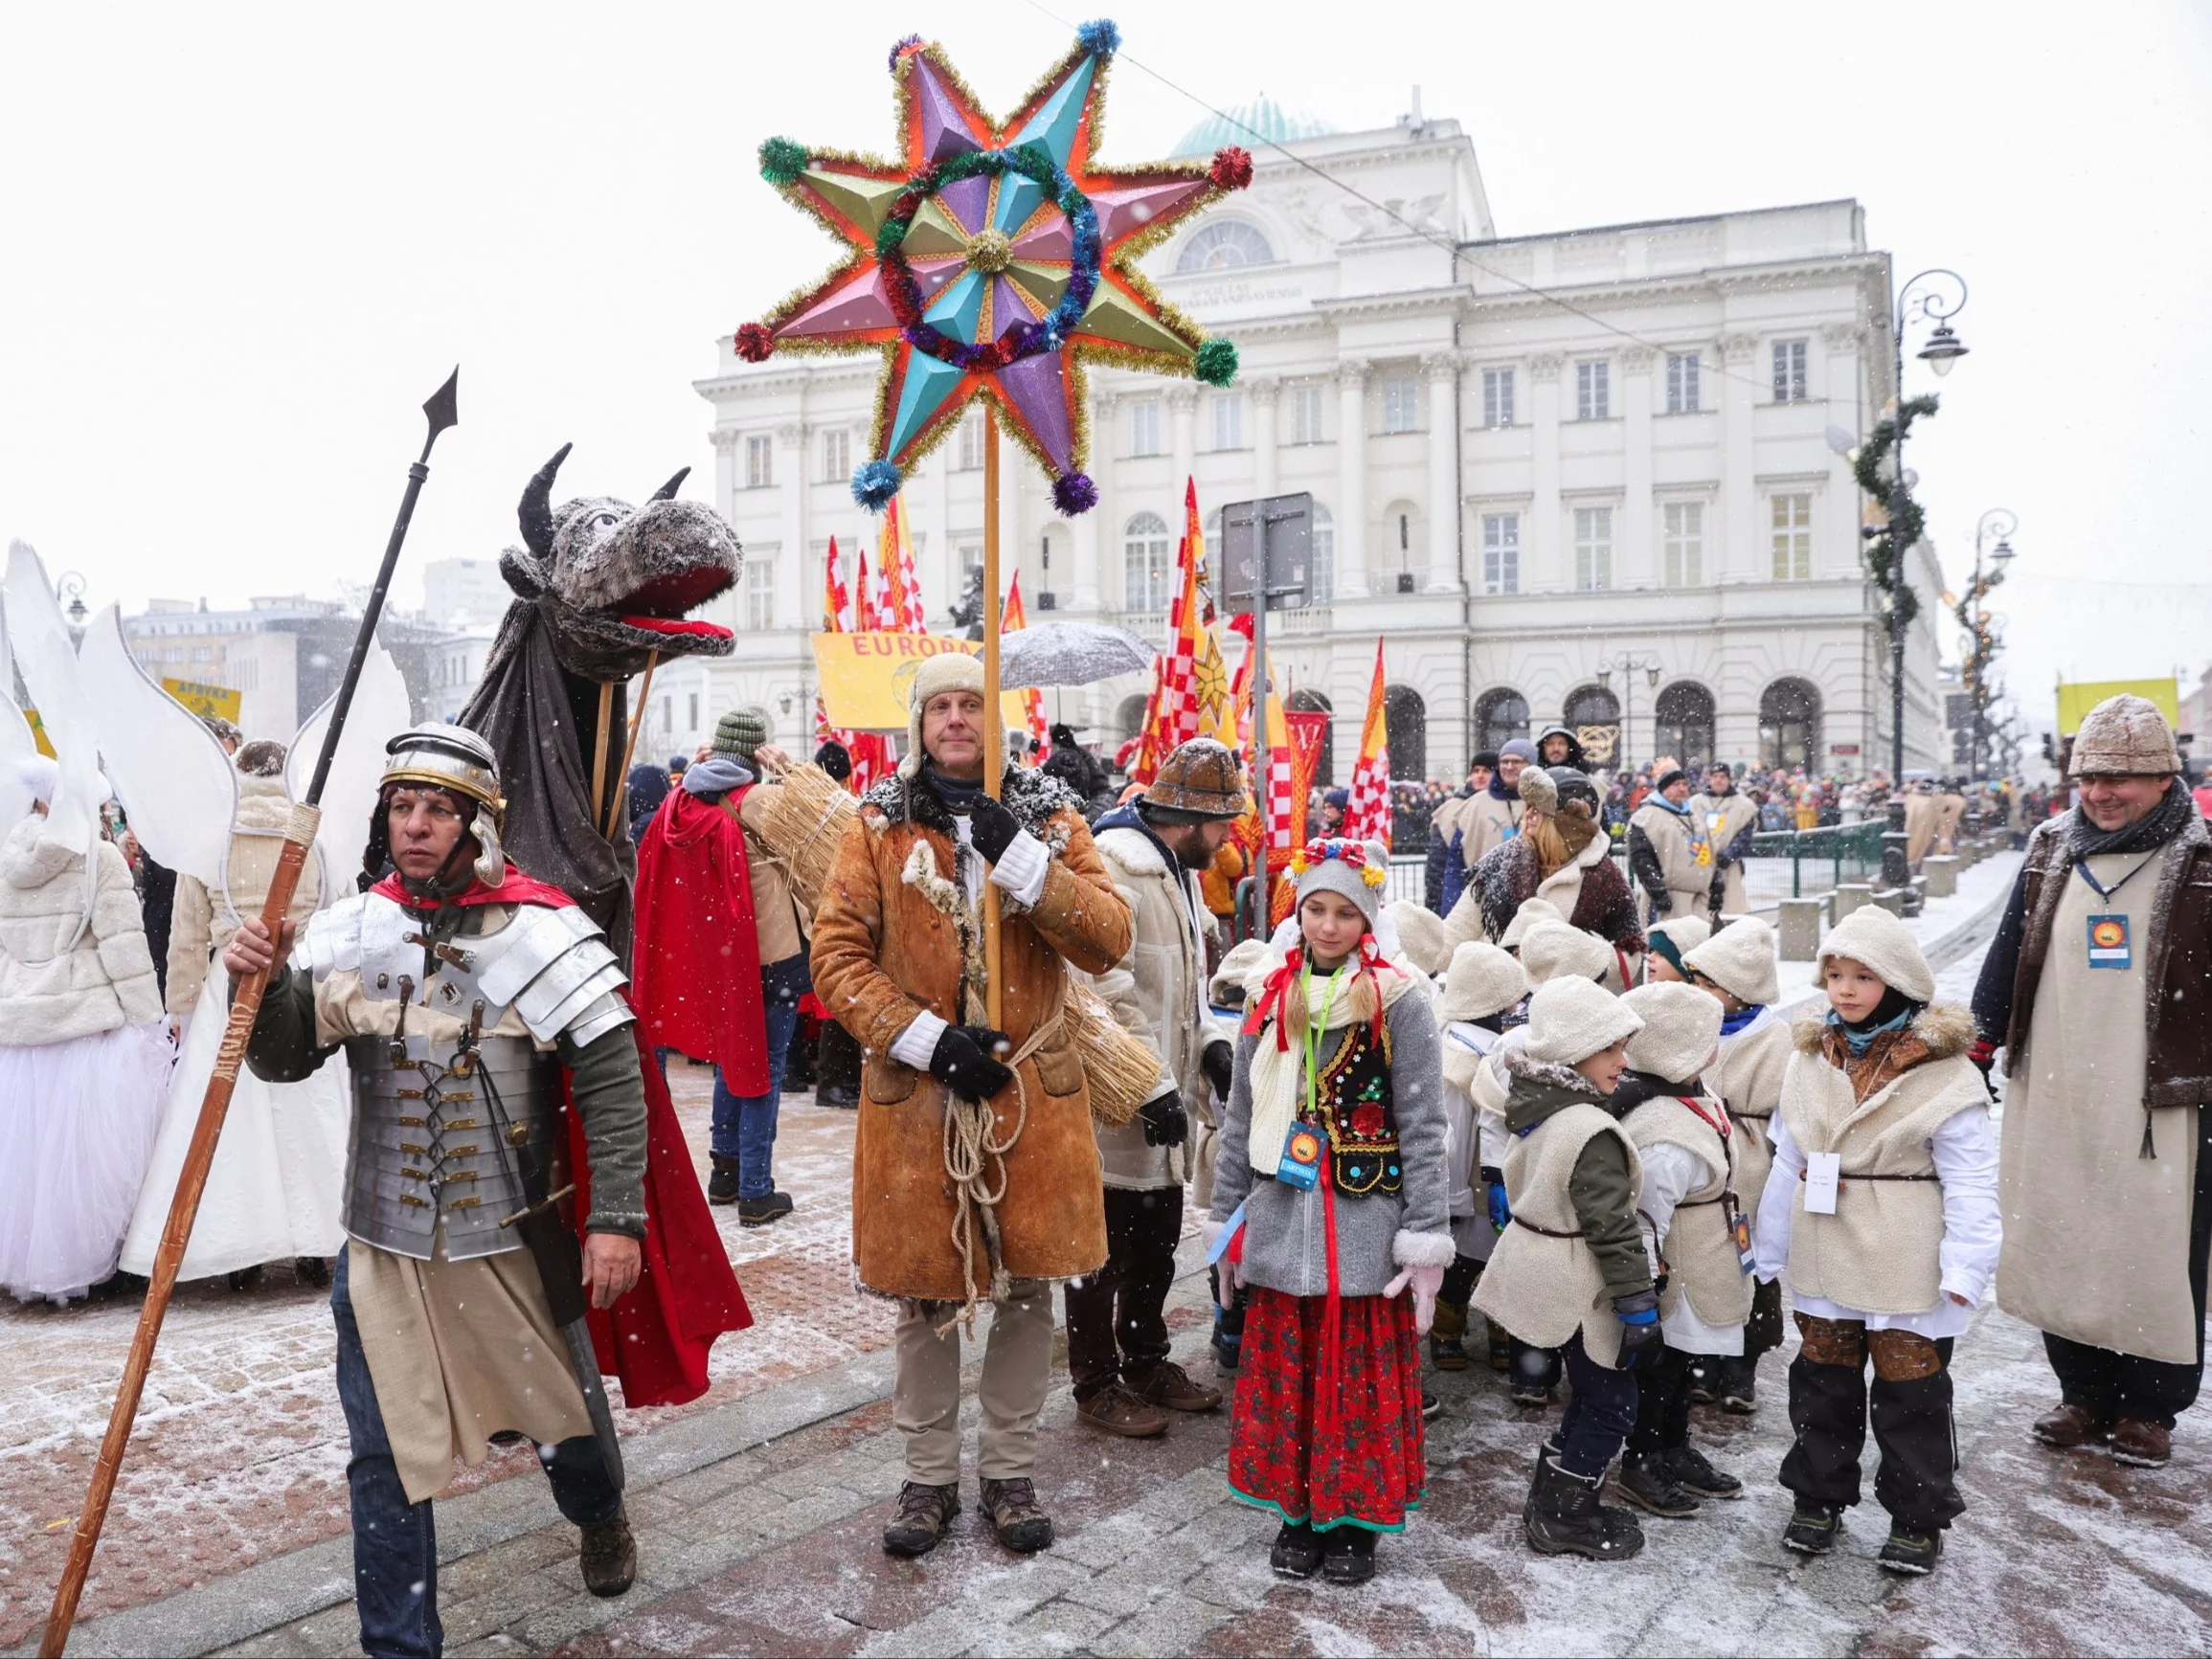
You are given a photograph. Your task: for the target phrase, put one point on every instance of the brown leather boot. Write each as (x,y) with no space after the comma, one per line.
(2145,1445)
(923,1510)
(1169,1385)
(1117,1411)
(608,1556)
(1011,1507)
(2070,1426)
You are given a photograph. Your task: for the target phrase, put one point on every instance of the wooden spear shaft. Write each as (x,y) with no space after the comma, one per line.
(600,752)
(630,746)
(994,744)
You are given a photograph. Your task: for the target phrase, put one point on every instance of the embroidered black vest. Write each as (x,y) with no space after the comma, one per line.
(1354,1098)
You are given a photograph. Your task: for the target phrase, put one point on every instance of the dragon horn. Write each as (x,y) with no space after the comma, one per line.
(536,510)
(668,491)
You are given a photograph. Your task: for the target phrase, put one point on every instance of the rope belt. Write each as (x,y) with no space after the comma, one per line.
(1546,1232)
(1842,1176)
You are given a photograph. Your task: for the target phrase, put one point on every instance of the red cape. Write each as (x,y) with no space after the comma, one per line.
(514,888)
(697,975)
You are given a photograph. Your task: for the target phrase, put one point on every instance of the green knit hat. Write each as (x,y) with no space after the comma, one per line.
(739,732)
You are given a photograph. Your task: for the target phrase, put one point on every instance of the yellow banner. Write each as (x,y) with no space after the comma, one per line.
(867,678)
(2075,701)
(44,743)
(208,701)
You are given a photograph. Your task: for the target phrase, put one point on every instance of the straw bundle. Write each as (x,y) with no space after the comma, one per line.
(805,822)
(1122,1071)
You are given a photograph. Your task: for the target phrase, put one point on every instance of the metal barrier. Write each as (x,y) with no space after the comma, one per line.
(1853,848)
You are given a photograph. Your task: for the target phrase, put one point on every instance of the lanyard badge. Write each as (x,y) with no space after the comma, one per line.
(2111,945)
(1303,1143)
(1300,1163)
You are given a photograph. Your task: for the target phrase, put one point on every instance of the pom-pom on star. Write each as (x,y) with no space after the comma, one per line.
(993,260)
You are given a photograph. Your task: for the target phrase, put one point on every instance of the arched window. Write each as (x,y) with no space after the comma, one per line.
(1684,726)
(1501,715)
(1789,724)
(1324,773)
(1129,718)
(1406,728)
(1592,713)
(1224,245)
(1148,565)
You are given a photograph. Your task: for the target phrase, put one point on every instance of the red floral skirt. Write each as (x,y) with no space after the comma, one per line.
(1365,1467)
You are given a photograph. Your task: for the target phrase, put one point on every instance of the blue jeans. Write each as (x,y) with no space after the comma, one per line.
(395,1543)
(745,1124)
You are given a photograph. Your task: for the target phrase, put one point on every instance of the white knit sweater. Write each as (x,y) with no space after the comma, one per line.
(59,983)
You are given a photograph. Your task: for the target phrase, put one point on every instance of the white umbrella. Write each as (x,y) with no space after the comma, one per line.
(1069,654)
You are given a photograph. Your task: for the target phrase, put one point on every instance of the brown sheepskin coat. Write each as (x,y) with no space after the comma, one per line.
(894,934)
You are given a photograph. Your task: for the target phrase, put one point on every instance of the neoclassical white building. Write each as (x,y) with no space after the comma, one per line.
(1532,460)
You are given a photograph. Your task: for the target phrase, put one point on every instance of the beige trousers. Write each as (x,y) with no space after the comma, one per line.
(1017,1374)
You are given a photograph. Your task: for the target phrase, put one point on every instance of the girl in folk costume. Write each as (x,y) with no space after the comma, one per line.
(84,1055)
(1329,1203)
(1883,1209)
(272,1192)
(1562,856)
(1480,985)
(1688,1206)
(1736,964)
(1669,939)
(1571,1272)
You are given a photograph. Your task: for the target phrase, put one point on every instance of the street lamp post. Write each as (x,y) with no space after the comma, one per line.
(1627,663)
(2000,523)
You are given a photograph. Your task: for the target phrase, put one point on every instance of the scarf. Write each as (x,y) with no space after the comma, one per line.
(2153,829)
(717,776)
(1893,1013)
(1731,1023)
(1638,1087)
(1654,799)
(514,888)
(1292,1000)
(959,796)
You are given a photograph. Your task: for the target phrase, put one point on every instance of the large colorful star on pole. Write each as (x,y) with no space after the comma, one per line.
(993,260)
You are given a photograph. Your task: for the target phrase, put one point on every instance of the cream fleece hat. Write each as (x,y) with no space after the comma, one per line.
(1571,1020)
(1684,933)
(1872,935)
(1482,981)
(1236,968)
(1531,912)
(1421,935)
(1740,959)
(2124,736)
(946,671)
(1553,950)
(1682,1030)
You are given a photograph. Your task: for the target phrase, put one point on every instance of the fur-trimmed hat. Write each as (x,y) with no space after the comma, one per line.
(1571,1020)
(1677,936)
(1354,870)
(946,671)
(1553,950)
(1227,987)
(1682,1030)
(1532,911)
(1872,935)
(1538,789)
(1200,779)
(2125,736)
(1482,981)
(1740,959)
(1421,935)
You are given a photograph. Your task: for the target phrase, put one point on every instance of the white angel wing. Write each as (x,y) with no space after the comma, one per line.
(169,769)
(16,742)
(380,712)
(39,636)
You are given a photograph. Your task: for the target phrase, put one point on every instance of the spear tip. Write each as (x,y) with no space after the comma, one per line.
(443,409)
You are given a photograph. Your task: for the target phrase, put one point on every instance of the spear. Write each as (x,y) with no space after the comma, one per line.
(245,1005)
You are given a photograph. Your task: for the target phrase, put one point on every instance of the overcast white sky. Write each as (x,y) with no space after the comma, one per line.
(240,245)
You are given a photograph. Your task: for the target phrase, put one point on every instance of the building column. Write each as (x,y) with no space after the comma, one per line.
(1182,412)
(791,483)
(1351,516)
(1542,566)
(1442,369)
(725,441)
(1835,518)
(1264,393)
(1638,563)
(1739,464)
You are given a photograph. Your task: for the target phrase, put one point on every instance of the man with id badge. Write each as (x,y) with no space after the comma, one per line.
(2099,989)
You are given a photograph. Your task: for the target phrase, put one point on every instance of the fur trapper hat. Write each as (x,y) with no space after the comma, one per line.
(1532,911)
(1681,1031)
(2125,736)
(1872,935)
(1355,870)
(1482,981)
(1570,1020)
(1553,950)
(1421,936)
(1740,959)
(946,671)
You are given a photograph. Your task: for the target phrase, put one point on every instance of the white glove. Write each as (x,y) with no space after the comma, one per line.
(1426,1282)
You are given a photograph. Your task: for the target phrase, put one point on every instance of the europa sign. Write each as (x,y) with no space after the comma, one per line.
(867,677)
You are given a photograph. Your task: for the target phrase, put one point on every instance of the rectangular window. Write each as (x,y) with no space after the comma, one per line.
(970,457)
(1401,404)
(836,453)
(1502,552)
(203,653)
(1793,538)
(1684,533)
(759,595)
(1497,398)
(693,701)
(1306,404)
(1790,371)
(1681,383)
(1594,391)
(1592,549)
(759,463)
(1144,427)
(1229,421)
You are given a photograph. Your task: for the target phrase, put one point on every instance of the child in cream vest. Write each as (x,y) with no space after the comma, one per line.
(1482,984)
(1882,1210)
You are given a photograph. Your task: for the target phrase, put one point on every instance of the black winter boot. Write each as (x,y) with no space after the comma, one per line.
(1348,1557)
(1564,1518)
(1646,1482)
(1739,1386)
(1813,1527)
(722,1184)
(1690,1468)
(1297,1552)
(1908,1551)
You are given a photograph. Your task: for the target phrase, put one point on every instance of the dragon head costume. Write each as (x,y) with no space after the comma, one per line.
(601,586)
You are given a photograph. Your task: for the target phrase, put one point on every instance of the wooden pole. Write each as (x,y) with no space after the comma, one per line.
(600,752)
(630,745)
(994,744)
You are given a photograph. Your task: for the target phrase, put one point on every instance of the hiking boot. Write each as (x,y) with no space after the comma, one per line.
(923,1510)
(1646,1482)
(1117,1411)
(1701,1381)
(2071,1426)
(2145,1445)
(1813,1527)
(1565,1519)
(1690,1469)
(1011,1505)
(1172,1388)
(722,1184)
(1910,1553)
(1447,1344)
(1348,1557)
(1297,1552)
(761,1211)
(608,1556)
(1739,1386)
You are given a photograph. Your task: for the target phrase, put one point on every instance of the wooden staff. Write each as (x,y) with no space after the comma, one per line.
(216,1104)
(994,744)
(630,745)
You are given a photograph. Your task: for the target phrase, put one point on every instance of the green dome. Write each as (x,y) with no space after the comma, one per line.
(1271,121)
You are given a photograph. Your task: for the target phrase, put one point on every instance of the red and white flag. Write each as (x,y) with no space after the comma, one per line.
(1367,811)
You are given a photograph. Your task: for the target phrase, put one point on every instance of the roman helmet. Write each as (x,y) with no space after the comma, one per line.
(457,760)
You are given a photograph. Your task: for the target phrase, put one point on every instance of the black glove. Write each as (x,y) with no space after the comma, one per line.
(1165,1121)
(1219,1064)
(992,828)
(1639,1327)
(1661,902)
(963,1062)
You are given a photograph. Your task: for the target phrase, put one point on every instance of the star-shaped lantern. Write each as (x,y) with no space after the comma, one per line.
(992,261)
